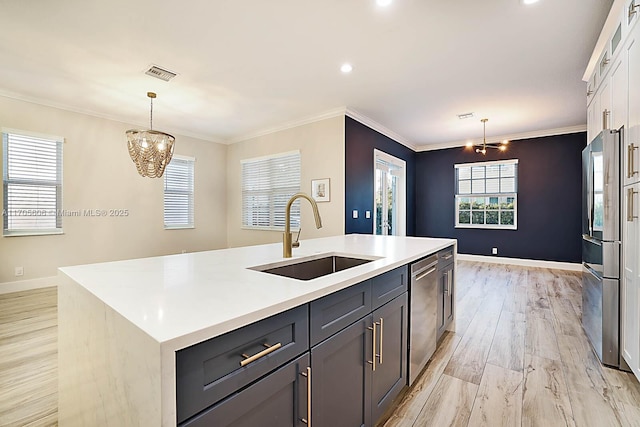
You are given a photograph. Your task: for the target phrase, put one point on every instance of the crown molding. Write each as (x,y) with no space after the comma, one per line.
(510,137)
(64,107)
(289,125)
(379,128)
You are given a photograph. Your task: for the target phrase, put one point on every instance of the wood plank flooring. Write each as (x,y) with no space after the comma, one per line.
(29,358)
(518,357)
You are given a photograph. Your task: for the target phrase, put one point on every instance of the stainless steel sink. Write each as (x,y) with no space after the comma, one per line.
(312,268)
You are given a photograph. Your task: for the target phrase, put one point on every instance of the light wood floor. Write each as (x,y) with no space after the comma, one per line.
(29,358)
(518,357)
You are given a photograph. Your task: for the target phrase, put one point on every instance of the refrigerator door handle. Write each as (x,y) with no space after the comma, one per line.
(591,271)
(590,195)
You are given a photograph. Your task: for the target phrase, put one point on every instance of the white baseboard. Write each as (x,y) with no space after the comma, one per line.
(27,285)
(523,262)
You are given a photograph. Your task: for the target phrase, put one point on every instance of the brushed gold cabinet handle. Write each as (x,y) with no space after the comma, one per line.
(630,193)
(373,353)
(631,167)
(270,348)
(307,374)
(381,338)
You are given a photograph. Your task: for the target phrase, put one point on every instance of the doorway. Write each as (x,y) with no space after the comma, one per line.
(389,216)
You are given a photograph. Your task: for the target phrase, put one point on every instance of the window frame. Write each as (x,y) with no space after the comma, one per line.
(274,215)
(57,184)
(486,195)
(190,161)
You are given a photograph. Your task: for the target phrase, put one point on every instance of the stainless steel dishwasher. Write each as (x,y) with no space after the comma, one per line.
(423,295)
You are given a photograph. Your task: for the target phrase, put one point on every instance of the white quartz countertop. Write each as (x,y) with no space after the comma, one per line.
(180,300)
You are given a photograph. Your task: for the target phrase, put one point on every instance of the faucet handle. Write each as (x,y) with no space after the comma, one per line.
(296,244)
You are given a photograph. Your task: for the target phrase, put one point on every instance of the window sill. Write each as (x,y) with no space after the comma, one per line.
(278,229)
(488,227)
(180,227)
(31,233)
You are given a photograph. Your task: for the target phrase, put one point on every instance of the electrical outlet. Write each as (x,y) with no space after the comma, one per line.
(494,251)
(184,251)
(19,271)
(367,214)
(355,214)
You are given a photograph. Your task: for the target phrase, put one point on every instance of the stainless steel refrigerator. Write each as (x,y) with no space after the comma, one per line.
(601,245)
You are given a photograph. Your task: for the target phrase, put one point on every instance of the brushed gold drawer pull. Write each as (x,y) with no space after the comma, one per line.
(381,337)
(630,208)
(270,348)
(630,160)
(307,374)
(373,353)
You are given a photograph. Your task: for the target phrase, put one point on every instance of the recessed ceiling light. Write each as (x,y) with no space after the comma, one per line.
(346,68)
(529,1)
(384,3)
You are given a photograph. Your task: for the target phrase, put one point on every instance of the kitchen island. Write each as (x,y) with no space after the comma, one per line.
(122,323)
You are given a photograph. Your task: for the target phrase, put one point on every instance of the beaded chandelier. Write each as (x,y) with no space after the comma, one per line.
(150,150)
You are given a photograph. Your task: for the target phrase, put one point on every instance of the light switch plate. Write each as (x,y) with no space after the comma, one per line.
(367,214)
(355,214)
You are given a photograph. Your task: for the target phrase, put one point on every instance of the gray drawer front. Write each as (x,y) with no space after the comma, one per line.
(277,399)
(445,257)
(389,285)
(338,310)
(209,371)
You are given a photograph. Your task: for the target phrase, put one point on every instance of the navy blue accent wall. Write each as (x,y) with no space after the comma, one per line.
(549,199)
(360,141)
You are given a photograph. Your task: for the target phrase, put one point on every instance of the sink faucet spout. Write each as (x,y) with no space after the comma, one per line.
(287,243)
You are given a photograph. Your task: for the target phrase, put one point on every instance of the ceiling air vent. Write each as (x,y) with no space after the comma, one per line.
(160,73)
(465,116)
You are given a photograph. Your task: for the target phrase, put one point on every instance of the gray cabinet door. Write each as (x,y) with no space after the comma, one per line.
(341,387)
(279,399)
(390,375)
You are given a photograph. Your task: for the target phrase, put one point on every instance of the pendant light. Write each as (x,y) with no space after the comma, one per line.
(150,150)
(482,148)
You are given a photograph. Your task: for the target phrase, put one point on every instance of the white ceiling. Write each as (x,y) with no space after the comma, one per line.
(245,66)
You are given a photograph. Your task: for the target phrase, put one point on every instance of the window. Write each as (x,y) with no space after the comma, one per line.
(487,195)
(178,193)
(267,185)
(32,183)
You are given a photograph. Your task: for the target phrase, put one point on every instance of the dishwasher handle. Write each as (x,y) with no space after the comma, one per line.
(425,274)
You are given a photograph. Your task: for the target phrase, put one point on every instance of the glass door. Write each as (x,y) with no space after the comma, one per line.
(389,195)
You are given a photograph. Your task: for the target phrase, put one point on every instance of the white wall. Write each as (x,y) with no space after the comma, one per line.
(321,146)
(98,174)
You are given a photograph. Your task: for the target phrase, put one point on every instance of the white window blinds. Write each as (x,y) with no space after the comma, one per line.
(32,184)
(178,193)
(267,185)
